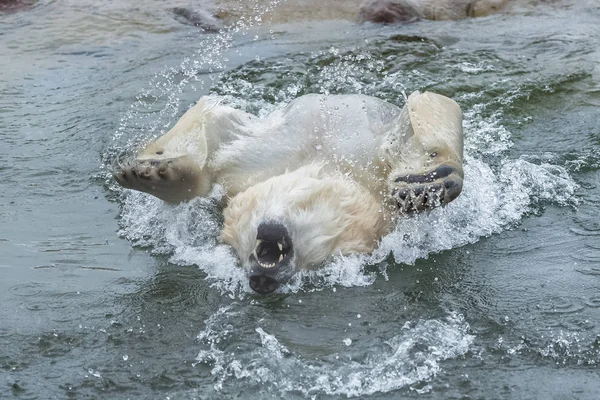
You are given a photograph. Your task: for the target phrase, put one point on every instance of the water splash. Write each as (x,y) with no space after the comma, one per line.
(162,96)
(498,191)
(494,198)
(414,355)
(187,233)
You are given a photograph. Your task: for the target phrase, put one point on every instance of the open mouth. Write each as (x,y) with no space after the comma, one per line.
(273,246)
(269,254)
(271,257)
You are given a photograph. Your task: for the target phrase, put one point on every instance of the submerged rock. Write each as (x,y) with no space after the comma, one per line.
(378,11)
(8,6)
(391,11)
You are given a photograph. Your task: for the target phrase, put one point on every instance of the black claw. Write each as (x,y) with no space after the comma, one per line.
(412,178)
(443,171)
(440,172)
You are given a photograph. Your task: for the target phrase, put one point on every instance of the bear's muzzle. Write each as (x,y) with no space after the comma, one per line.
(271,261)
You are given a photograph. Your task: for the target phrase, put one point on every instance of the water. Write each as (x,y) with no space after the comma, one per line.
(109,294)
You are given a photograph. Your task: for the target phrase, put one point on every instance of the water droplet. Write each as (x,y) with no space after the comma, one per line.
(347,341)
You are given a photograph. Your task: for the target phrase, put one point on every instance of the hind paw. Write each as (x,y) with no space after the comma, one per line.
(419,192)
(173,180)
(144,173)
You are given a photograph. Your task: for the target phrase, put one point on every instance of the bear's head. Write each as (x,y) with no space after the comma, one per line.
(297,221)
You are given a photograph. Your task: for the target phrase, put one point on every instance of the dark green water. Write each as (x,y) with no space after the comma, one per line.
(111,294)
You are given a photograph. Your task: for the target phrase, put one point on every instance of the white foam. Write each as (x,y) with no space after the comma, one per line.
(187,233)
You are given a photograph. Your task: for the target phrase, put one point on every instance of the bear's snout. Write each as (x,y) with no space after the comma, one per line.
(271,261)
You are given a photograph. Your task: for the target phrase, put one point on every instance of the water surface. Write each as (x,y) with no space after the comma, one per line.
(112,294)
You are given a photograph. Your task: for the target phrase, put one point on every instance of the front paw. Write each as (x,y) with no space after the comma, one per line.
(419,192)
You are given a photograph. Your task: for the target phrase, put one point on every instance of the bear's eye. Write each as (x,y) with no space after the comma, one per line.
(434,154)
(159,152)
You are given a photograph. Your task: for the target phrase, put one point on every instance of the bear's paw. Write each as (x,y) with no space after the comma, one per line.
(422,191)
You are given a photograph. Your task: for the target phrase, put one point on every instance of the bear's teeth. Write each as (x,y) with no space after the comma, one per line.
(281,258)
(280,246)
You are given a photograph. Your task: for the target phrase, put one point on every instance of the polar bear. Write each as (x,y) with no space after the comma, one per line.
(325,175)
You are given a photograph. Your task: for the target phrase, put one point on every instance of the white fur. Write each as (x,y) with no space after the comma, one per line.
(326,215)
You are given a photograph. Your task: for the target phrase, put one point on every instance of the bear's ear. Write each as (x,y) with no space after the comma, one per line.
(435,120)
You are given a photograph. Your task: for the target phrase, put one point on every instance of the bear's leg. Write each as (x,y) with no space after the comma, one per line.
(427,168)
(173,179)
(173,167)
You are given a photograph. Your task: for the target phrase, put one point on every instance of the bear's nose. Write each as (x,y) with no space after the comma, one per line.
(263,284)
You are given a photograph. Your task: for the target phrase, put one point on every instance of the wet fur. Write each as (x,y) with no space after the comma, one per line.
(335,170)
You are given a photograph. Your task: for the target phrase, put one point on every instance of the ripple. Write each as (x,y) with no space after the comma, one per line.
(515,245)
(587,255)
(560,305)
(593,271)
(593,302)
(28,289)
(590,231)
